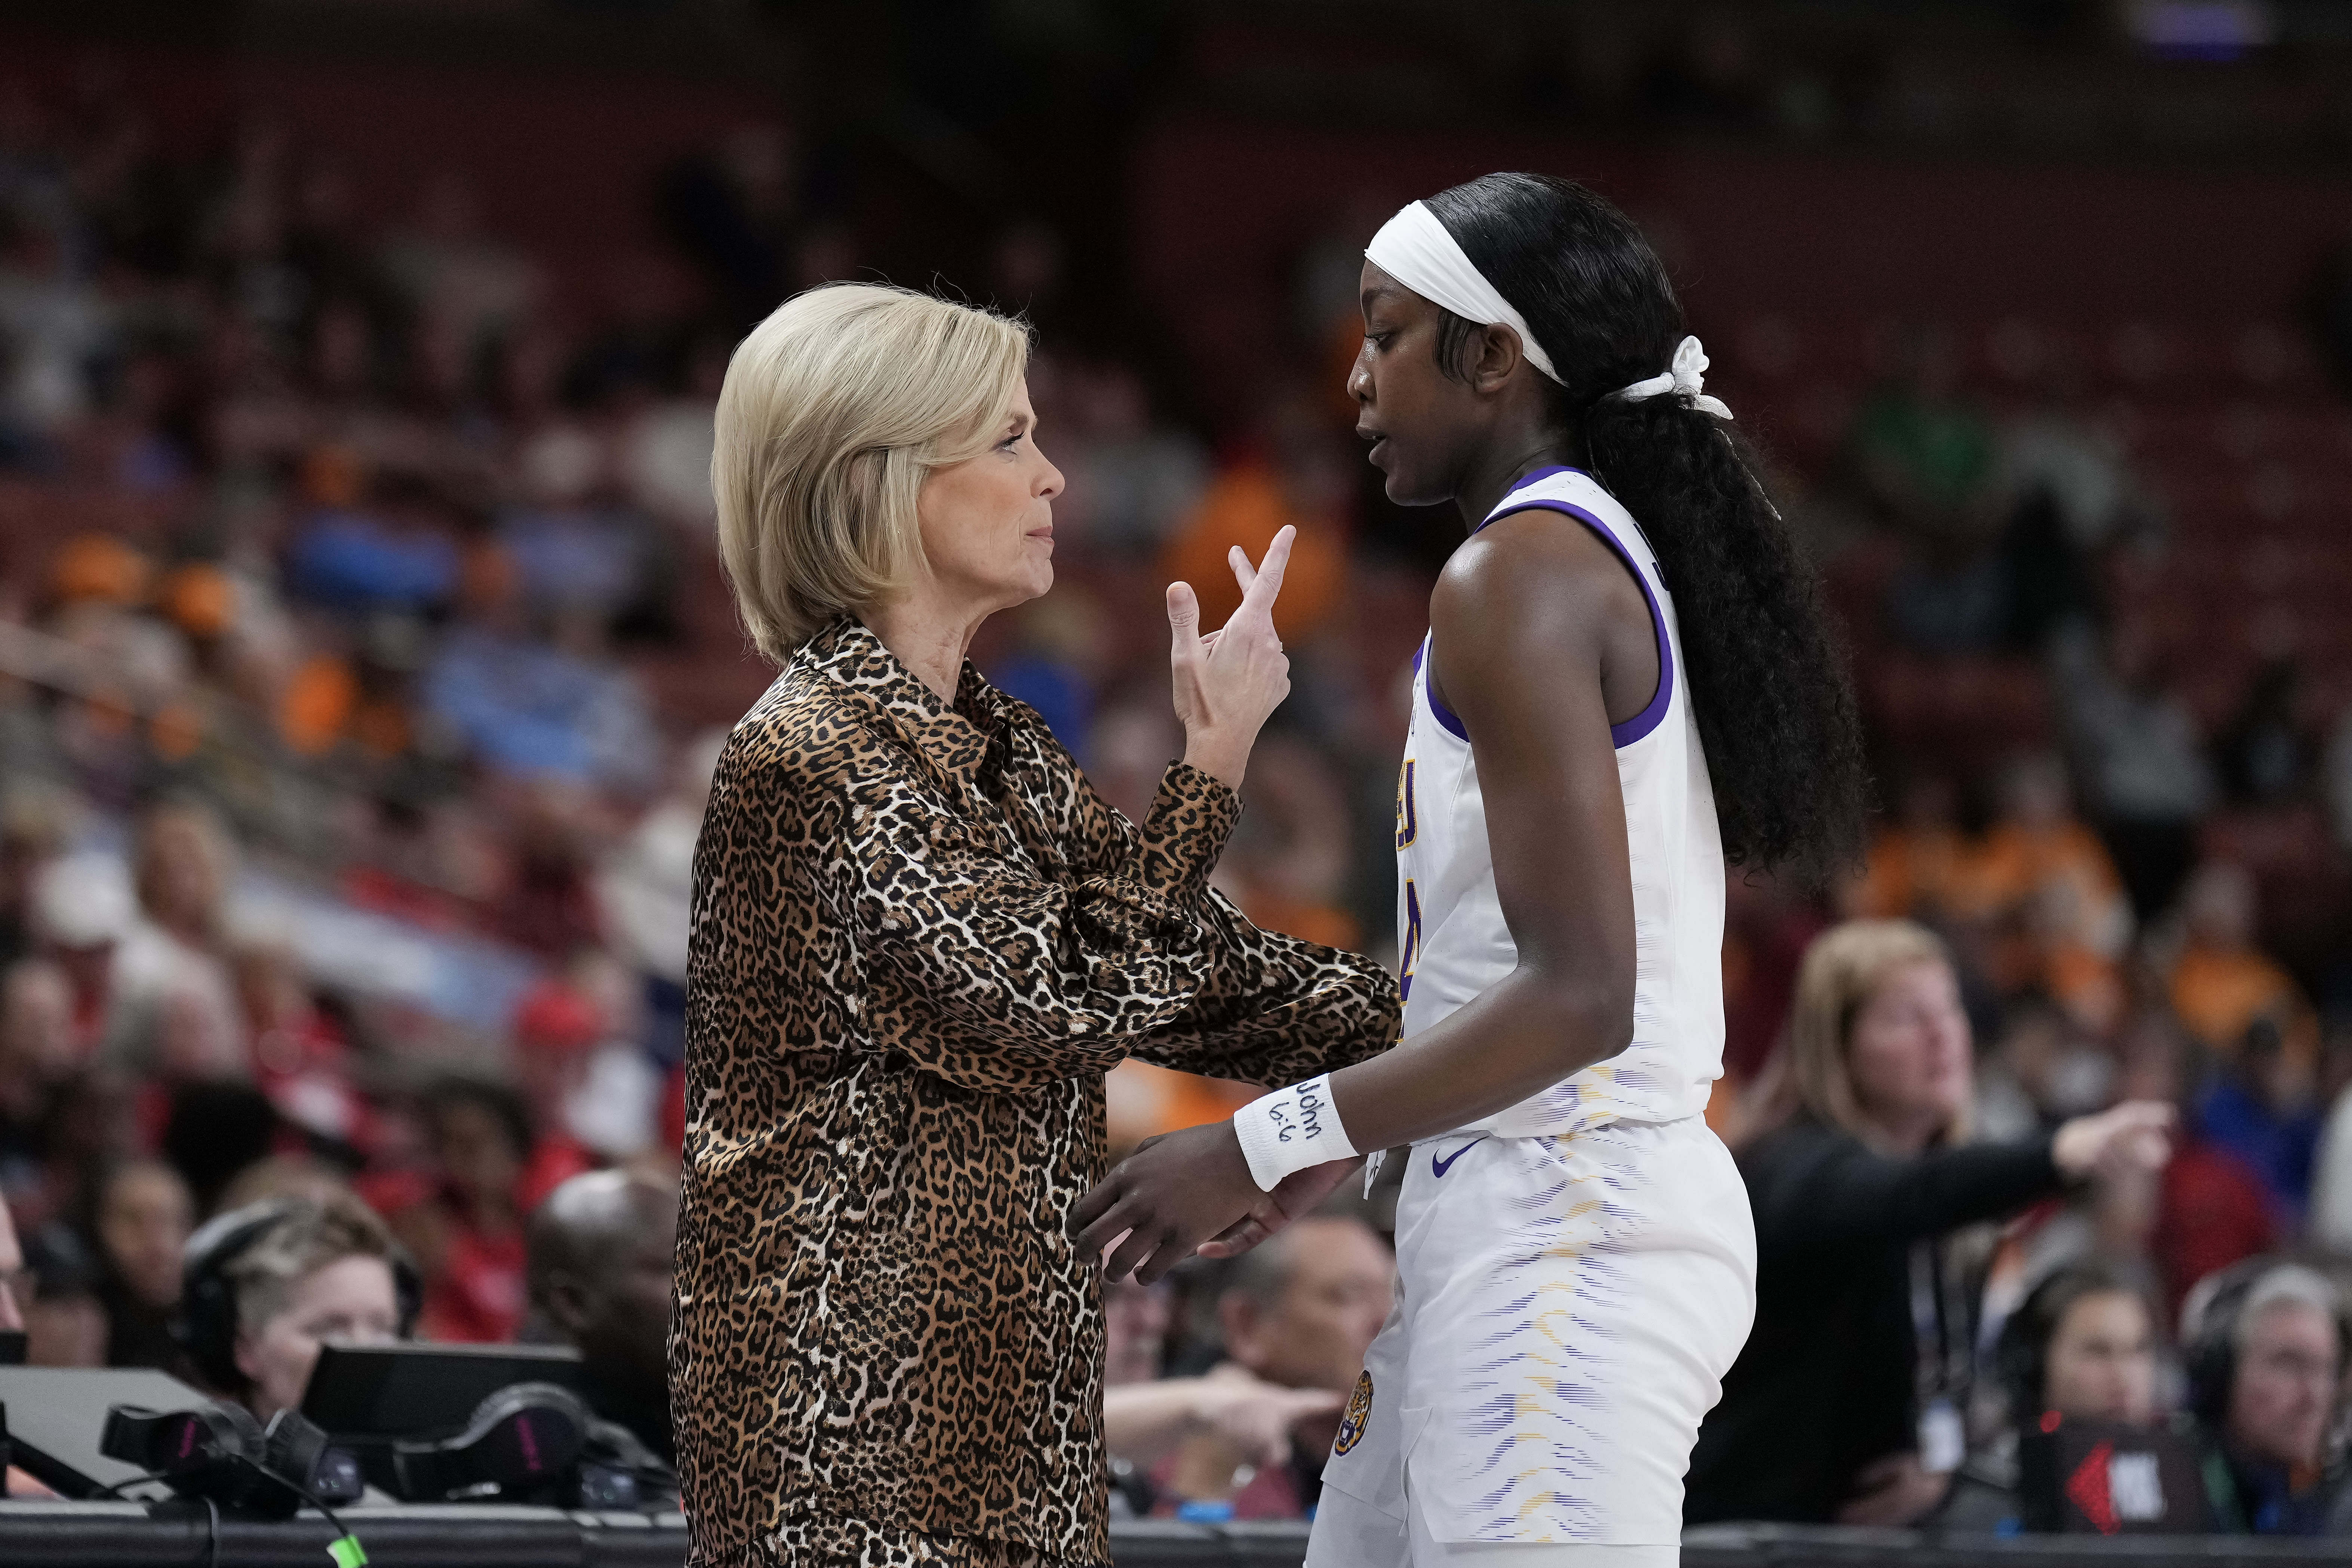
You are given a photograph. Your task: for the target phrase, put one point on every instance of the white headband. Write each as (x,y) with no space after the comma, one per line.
(1416,249)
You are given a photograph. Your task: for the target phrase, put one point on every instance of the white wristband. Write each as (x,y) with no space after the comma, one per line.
(1290,1129)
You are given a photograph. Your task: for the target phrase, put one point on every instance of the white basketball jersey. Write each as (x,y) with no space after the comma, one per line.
(1452,942)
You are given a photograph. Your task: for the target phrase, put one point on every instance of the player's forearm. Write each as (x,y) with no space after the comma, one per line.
(1516,1040)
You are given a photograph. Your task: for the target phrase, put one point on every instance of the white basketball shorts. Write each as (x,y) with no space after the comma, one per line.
(1565,1309)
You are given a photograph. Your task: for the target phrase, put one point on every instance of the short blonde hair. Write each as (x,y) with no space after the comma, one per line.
(1841,969)
(836,409)
(314,1233)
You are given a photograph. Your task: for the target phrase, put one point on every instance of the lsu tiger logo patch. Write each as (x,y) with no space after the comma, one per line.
(1357,1416)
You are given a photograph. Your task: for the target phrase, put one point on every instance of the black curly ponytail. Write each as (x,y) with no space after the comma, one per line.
(1775,710)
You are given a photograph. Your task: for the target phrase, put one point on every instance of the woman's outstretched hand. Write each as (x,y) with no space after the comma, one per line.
(1229,682)
(2134,1136)
(1175,1192)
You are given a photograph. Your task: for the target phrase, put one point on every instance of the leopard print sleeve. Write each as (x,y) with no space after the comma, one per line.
(1009,977)
(1275,1008)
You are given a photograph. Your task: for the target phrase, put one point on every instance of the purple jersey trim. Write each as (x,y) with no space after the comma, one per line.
(1649,718)
(1445,715)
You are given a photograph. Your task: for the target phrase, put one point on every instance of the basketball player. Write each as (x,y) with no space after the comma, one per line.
(1626,682)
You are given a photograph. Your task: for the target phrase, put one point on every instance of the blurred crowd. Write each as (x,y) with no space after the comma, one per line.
(363,661)
(346,852)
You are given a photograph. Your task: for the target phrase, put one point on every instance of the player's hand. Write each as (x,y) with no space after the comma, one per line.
(1175,1192)
(1294,1197)
(1227,683)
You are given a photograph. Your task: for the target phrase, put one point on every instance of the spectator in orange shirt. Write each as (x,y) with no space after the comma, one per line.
(2037,847)
(1297,477)
(2221,984)
(1914,860)
(2041,892)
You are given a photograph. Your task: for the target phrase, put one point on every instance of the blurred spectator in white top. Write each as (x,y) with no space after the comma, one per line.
(299,1057)
(2080,467)
(36,823)
(553,455)
(2331,1179)
(610,1107)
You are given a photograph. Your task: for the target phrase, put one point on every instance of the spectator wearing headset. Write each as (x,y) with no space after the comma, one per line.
(2083,1343)
(2268,1341)
(2083,1346)
(266,1284)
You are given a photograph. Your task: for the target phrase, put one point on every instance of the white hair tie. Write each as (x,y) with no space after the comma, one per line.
(1685,378)
(1416,249)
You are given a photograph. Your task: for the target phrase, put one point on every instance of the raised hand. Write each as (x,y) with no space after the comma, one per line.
(1228,682)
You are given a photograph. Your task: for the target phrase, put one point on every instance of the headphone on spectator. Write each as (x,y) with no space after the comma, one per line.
(2211,1348)
(207,1324)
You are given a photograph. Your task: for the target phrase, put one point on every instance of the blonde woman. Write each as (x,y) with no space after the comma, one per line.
(1846,1403)
(920,938)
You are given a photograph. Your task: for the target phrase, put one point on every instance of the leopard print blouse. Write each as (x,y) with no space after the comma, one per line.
(919,939)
